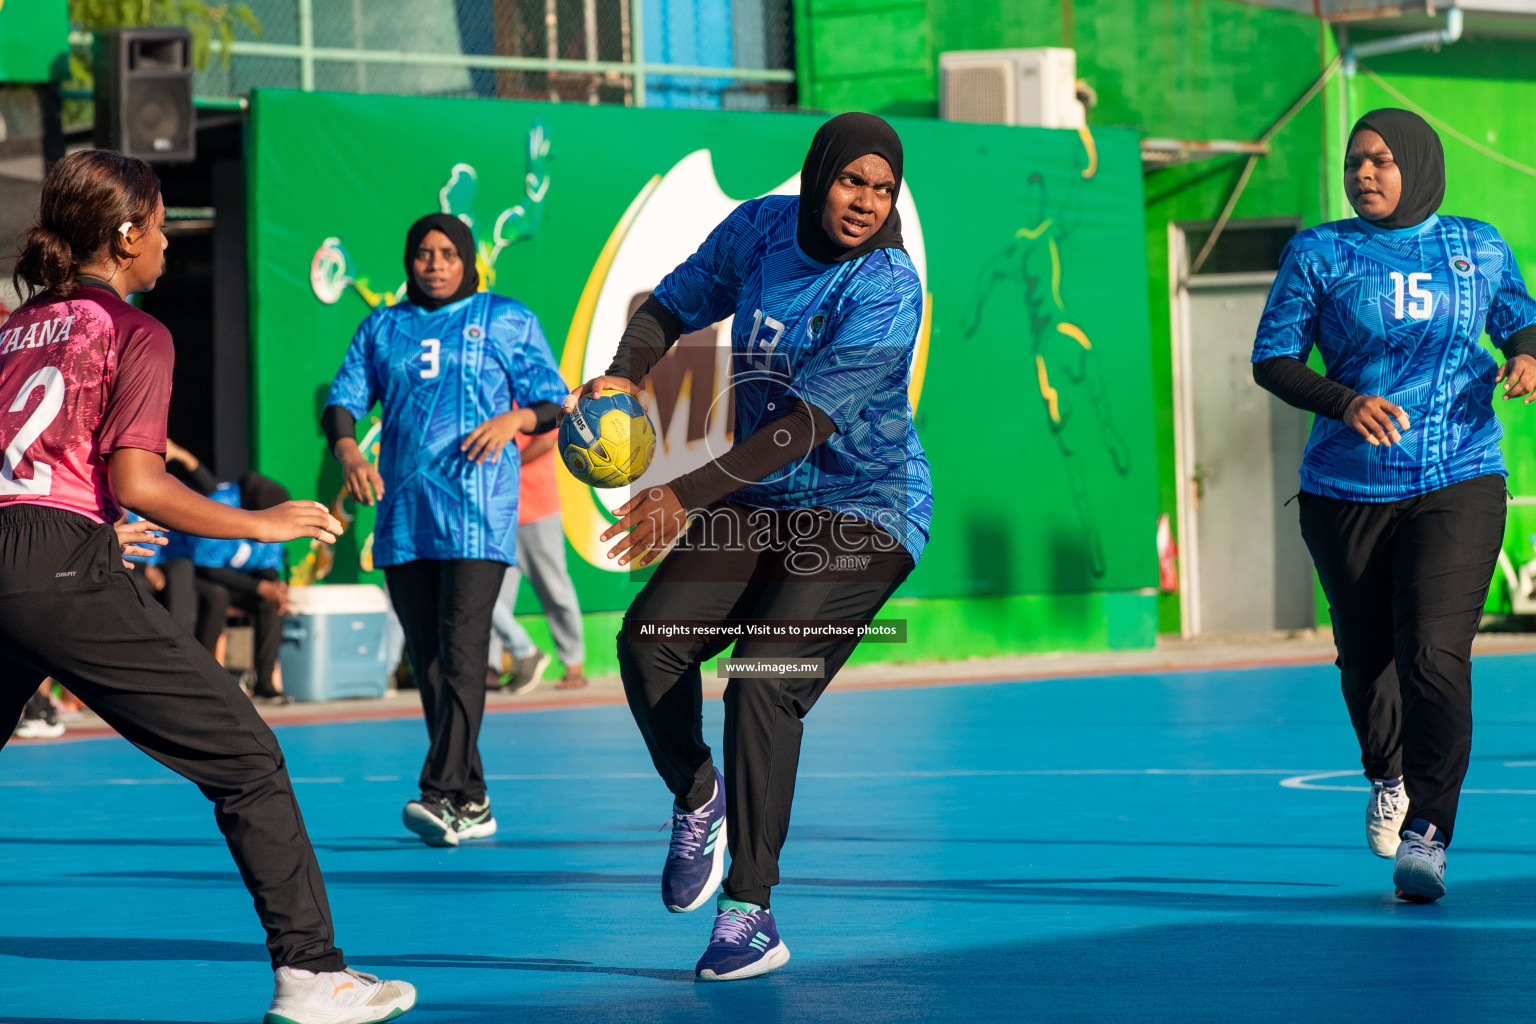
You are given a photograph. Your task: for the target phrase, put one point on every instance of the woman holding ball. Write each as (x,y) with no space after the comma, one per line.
(814,517)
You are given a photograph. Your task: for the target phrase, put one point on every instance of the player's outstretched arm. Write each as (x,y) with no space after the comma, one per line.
(139,481)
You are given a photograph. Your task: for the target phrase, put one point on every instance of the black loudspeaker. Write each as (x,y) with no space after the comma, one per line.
(144,94)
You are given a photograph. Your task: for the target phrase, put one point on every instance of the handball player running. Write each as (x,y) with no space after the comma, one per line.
(85,384)
(815,516)
(1402,484)
(445,366)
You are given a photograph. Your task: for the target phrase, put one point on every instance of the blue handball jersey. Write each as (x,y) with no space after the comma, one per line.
(437,376)
(1399,313)
(840,337)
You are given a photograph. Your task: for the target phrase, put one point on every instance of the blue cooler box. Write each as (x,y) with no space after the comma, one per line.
(334,642)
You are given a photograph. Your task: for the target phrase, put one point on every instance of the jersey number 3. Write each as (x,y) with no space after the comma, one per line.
(52,383)
(429,355)
(1424,300)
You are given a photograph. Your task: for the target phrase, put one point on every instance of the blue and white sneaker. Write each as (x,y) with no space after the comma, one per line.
(1418,874)
(696,858)
(744,944)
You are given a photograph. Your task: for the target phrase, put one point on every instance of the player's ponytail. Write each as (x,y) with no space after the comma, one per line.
(87,199)
(45,262)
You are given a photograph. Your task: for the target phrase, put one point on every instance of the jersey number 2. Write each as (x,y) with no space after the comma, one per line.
(1424,300)
(429,355)
(52,382)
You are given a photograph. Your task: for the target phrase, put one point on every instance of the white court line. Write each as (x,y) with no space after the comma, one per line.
(1292,779)
(142,782)
(1309,782)
(957,773)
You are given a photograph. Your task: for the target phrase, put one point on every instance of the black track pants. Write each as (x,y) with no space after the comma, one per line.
(1406,581)
(68,609)
(716,574)
(445,609)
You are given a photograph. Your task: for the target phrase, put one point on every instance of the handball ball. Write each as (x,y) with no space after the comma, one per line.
(608,441)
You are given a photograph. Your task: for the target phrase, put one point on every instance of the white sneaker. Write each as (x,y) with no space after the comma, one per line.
(1384,816)
(38,729)
(336,997)
(1419,872)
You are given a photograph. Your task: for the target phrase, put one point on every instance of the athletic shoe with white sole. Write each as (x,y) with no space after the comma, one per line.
(432,819)
(39,720)
(1418,874)
(696,857)
(526,673)
(336,997)
(745,943)
(472,819)
(1384,815)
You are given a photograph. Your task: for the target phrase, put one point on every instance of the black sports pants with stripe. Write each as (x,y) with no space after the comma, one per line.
(68,609)
(1406,581)
(741,563)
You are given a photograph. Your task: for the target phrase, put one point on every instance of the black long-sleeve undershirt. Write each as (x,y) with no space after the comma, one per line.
(650,332)
(770,448)
(1297,384)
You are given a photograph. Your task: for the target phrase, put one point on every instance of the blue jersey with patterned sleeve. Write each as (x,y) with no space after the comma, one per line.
(1399,313)
(437,376)
(840,337)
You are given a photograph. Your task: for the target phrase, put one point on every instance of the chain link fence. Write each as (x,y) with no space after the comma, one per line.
(730,54)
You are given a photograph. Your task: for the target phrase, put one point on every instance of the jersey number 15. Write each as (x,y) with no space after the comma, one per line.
(1424,300)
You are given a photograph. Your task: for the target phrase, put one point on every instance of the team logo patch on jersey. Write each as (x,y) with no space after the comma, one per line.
(474,332)
(817,323)
(1462,266)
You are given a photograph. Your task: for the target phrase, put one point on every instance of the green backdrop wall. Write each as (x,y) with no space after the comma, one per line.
(1036,405)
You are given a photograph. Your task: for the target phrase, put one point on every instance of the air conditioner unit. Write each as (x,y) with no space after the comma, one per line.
(1023,87)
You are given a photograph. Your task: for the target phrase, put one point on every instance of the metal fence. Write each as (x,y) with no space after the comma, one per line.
(734,54)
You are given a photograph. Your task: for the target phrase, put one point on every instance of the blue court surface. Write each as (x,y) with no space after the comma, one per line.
(1184,846)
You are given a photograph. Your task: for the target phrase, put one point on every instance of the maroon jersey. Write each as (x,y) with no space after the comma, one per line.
(79,379)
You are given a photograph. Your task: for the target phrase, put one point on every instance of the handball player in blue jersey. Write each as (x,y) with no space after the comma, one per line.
(1402,483)
(809,522)
(446,366)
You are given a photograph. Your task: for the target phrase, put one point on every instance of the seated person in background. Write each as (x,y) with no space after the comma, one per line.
(190,470)
(168,571)
(247,575)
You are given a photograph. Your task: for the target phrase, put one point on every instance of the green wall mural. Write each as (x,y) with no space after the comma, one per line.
(1035,276)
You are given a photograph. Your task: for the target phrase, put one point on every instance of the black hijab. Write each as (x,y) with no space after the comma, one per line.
(1420,160)
(837,144)
(458,233)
